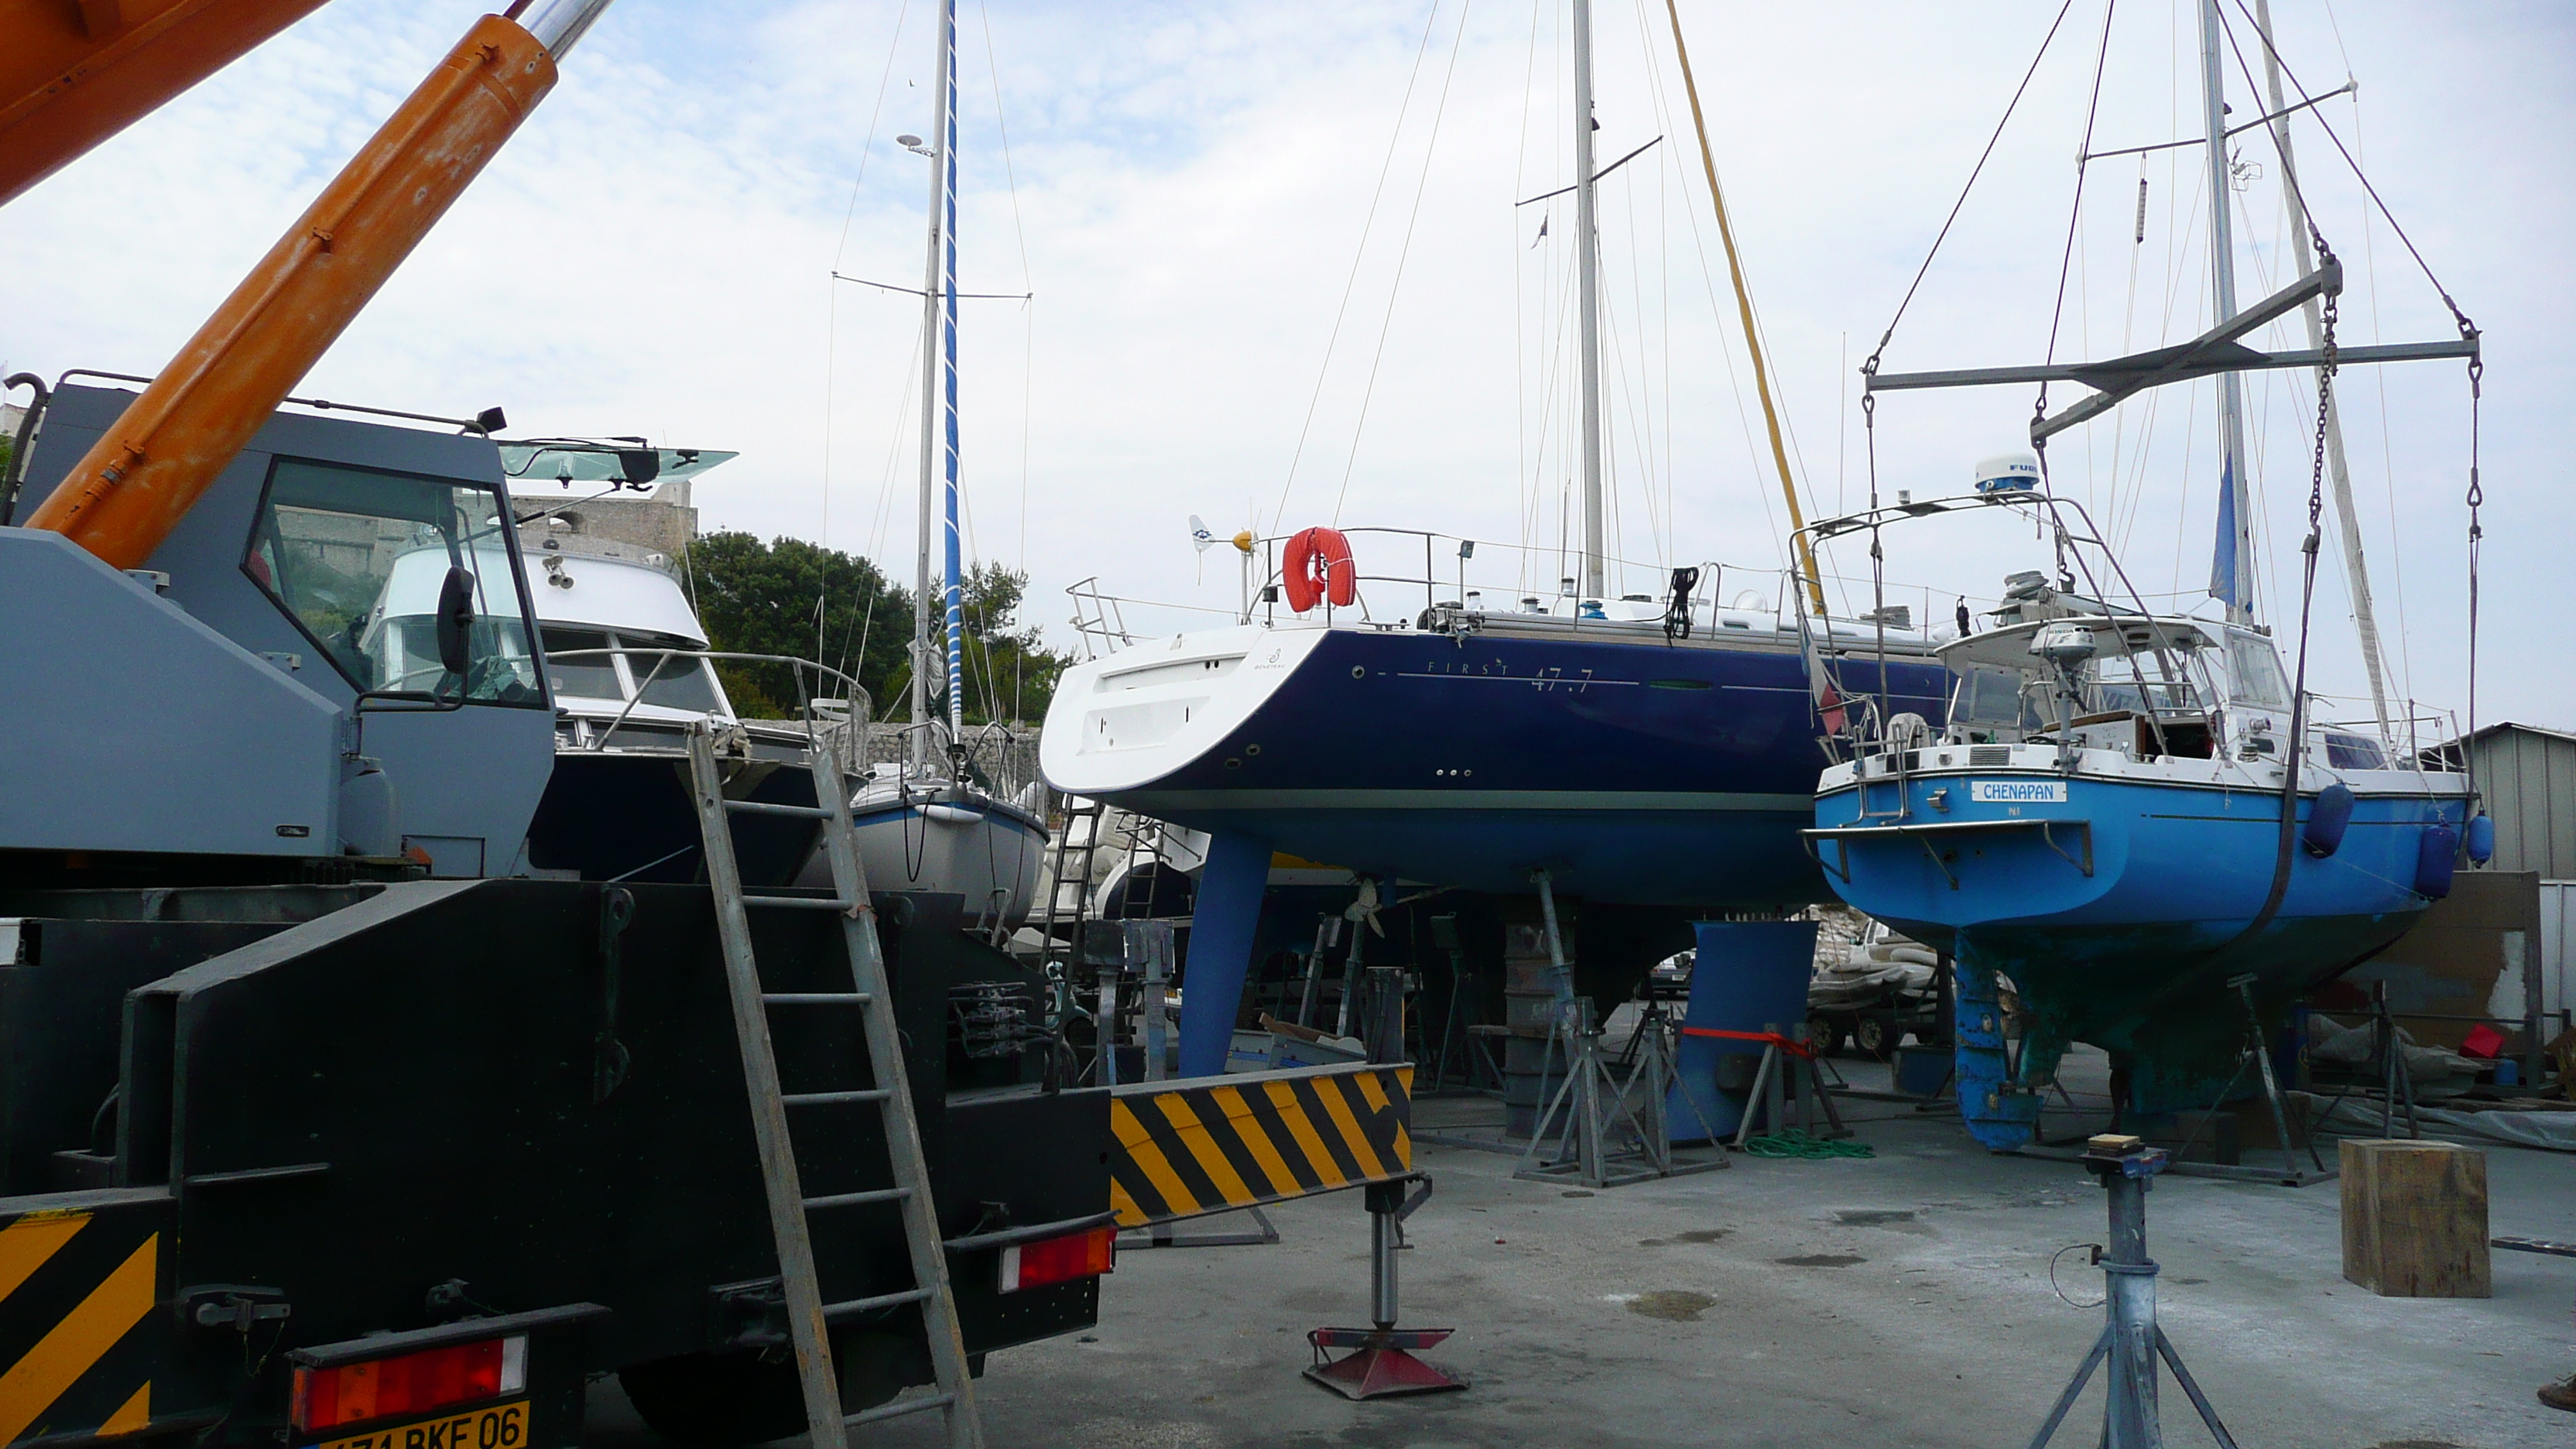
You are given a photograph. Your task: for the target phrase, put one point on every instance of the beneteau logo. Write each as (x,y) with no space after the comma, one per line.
(1271,661)
(2018,792)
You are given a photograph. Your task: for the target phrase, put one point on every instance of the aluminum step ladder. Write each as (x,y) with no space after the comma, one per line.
(790,1210)
(1090,818)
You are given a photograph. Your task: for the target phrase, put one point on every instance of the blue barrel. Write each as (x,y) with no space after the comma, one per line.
(1748,975)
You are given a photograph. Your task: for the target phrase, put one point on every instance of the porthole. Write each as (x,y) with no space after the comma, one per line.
(1252,749)
(1359,672)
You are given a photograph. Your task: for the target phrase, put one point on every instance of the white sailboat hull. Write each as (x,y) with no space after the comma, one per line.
(985,850)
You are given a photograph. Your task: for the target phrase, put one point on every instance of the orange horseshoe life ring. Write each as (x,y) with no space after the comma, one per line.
(1319,567)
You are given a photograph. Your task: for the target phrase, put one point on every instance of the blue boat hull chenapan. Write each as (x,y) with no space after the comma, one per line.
(2118,910)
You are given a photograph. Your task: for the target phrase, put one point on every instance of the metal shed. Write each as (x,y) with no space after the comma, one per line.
(2527,776)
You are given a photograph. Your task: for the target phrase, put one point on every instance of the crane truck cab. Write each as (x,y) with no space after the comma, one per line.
(264,699)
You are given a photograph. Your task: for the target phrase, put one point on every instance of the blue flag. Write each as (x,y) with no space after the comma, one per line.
(2222,564)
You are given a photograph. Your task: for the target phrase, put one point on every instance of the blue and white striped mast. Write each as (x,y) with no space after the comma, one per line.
(939,415)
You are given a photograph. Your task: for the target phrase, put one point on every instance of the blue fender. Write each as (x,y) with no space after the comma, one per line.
(2435,860)
(2327,820)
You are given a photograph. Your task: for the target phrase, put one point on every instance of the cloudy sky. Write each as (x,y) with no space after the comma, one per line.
(1280,279)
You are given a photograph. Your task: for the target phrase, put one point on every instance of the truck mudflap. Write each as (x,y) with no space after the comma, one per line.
(81,1345)
(1208,1144)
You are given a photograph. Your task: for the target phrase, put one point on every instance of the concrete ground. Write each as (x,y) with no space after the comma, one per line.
(1900,1300)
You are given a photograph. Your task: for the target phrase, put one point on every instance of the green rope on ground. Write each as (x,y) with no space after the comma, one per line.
(1789,1142)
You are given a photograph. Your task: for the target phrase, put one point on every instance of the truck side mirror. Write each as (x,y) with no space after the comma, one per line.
(640,466)
(456,620)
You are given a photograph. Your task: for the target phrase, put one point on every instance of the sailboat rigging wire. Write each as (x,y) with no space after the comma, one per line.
(1358,254)
(1403,252)
(849,212)
(2075,209)
(1870,367)
(2232,130)
(2477,498)
(2066,260)
(2468,329)
(1599,175)
(1028,322)
(1744,306)
(2295,748)
(918,292)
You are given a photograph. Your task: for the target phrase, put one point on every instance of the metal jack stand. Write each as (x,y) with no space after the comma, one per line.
(2130,1337)
(2256,1053)
(1788,1072)
(1592,1105)
(1381,1362)
(2387,1056)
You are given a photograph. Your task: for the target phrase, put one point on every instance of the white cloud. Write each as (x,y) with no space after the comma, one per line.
(651,255)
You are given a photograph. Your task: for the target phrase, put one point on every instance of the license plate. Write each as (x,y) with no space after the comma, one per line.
(501,1426)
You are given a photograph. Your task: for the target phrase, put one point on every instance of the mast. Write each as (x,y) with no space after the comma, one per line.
(953,590)
(2365,618)
(1588,253)
(2231,573)
(934,306)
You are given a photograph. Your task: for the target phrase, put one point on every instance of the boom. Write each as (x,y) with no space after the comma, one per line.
(132,488)
(75,72)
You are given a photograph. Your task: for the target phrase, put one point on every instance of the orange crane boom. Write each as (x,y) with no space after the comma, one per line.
(142,476)
(75,72)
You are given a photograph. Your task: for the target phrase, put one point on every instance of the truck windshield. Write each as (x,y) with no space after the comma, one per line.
(357,558)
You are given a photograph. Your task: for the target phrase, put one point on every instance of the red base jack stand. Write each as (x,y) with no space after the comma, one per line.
(1381,1362)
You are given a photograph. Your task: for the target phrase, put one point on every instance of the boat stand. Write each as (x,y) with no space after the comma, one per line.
(1587,1112)
(2255,1053)
(1789,1071)
(1380,1363)
(2396,1084)
(1599,1140)
(2130,1339)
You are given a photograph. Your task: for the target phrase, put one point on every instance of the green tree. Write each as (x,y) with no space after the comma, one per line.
(802,600)
(1010,676)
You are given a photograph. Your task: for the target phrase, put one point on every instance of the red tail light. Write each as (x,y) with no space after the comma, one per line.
(415,1383)
(1085,1254)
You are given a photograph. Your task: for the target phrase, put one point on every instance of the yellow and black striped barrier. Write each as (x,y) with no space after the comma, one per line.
(80,1274)
(1207,1144)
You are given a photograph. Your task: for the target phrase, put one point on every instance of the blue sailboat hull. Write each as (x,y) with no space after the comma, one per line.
(2121,909)
(1636,773)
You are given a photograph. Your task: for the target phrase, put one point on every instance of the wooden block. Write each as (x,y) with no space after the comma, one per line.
(2415,1219)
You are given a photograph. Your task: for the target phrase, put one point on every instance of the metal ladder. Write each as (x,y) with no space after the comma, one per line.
(789,1209)
(1095,814)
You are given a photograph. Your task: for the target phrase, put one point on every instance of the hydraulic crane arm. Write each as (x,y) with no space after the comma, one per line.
(75,72)
(132,488)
